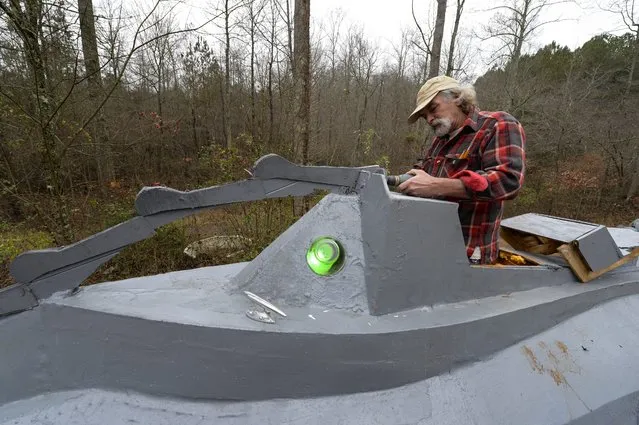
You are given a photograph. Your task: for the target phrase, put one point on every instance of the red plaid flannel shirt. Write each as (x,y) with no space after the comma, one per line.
(495,146)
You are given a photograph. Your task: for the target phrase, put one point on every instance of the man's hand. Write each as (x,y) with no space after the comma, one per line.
(423,184)
(426,186)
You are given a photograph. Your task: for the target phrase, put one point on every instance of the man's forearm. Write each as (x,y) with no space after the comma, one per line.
(451,187)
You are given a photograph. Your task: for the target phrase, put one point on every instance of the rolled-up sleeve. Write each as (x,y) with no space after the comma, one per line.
(503,162)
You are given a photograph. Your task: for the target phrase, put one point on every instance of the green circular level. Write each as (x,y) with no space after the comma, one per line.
(325,256)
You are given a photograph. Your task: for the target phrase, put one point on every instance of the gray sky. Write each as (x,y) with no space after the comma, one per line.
(382,20)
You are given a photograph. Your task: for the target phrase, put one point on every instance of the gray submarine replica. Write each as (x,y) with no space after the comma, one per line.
(367,310)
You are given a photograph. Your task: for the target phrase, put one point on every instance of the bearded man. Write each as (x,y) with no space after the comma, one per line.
(477,159)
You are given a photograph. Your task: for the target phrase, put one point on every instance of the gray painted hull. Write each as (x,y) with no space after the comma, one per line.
(553,355)
(582,371)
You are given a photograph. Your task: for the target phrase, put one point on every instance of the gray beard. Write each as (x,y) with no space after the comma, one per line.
(442,126)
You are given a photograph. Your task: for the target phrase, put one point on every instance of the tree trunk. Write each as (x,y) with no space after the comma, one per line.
(450,66)
(633,64)
(196,145)
(252,77)
(522,24)
(289,32)
(160,145)
(437,39)
(94,78)
(302,56)
(227,78)
(634,183)
(90,46)
(302,80)
(271,60)
(254,12)
(271,106)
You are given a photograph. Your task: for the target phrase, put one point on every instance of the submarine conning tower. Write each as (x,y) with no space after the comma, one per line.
(399,252)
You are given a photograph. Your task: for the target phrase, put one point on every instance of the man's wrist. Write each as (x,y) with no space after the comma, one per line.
(451,187)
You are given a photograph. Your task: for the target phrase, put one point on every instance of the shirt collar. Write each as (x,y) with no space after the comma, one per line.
(472,120)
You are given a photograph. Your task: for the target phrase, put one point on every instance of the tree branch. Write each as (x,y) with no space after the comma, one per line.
(419,28)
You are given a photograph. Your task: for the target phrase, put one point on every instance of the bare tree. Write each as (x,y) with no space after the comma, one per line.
(634,182)
(426,37)
(284,12)
(227,10)
(90,46)
(450,66)
(110,36)
(365,57)
(400,53)
(254,11)
(302,58)
(630,17)
(227,74)
(513,25)
(159,51)
(336,19)
(437,39)
(272,46)
(94,78)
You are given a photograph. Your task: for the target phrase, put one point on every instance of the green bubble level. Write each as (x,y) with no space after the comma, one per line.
(323,256)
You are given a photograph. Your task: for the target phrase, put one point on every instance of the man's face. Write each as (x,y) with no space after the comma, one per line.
(440,114)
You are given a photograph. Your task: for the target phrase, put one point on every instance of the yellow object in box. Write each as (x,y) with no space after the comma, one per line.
(509,258)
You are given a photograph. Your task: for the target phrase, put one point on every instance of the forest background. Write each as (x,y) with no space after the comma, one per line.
(100,100)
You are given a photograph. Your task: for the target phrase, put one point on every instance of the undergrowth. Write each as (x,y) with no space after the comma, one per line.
(15,239)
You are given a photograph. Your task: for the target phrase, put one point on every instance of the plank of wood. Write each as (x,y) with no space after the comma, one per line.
(529,242)
(518,240)
(545,249)
(583,272)
(576,263)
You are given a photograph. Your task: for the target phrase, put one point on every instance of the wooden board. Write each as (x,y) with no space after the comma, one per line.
(527,242)
(534,259)
(582,271)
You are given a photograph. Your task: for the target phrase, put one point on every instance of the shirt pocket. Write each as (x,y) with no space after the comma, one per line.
(471,163)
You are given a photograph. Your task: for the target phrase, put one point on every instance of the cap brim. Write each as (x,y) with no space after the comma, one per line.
(443,86)
(415,115)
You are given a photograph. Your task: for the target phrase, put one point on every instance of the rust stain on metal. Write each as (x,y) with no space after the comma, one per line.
(563,347)
(558,377)
(532,359)
(558,361)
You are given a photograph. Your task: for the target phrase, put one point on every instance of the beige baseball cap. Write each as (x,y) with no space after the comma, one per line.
(428,92)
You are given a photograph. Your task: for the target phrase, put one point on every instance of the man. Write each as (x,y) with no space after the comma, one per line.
(476,158)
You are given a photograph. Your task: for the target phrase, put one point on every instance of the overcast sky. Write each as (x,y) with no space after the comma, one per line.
(570,22)
(382,20)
